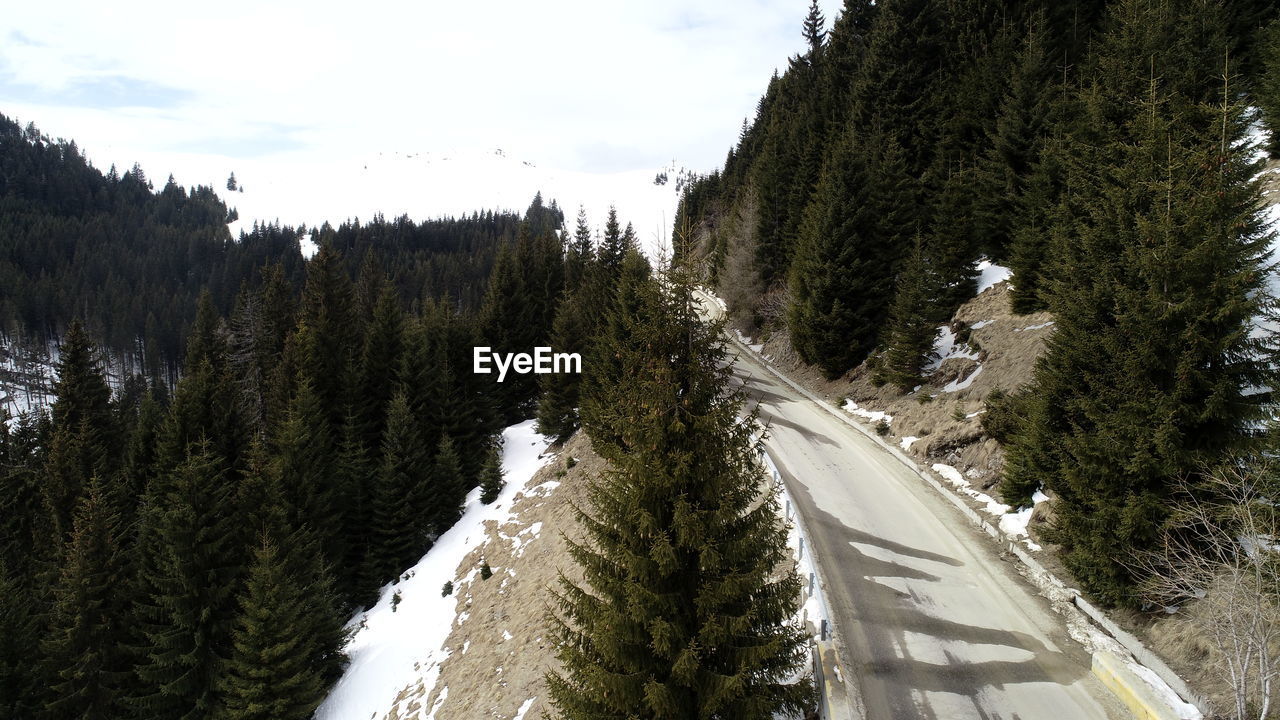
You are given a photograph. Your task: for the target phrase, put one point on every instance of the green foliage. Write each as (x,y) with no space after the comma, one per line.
(491,477)
(189,573)
(447,589)
(1157,277)
(683,612)
(911,329)
(1267,89)
(83,651)
(486,572)
(270,674)
(402,507)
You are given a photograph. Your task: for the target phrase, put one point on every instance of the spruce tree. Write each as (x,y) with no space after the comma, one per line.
(86,439)
(383,347)
(850,243)
(189,574)
(403,505)
(571,333)
(491,481)
(1156,284)
(1267,87)
(813,26)
(305,460)
(448,487)
(269,675)
(683,613)
(82,651)
(910,332)
(20,684)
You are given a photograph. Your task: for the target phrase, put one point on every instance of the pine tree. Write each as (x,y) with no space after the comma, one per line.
(305,460)
(612,249)
(910,333)
(351,479)
(20,684)
(86,436)
(571,333)
(82,651)
(189,575)
(269,675)
(403,504)
(1267,90)
(491,481)
(850,244)
(448,487)
(1155,287)
(383,348)
(814,23)
(580,254)
(682,613)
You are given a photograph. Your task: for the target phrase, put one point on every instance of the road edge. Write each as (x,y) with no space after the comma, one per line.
(1065,600)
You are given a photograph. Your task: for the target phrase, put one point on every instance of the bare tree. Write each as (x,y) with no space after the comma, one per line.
(1218,564)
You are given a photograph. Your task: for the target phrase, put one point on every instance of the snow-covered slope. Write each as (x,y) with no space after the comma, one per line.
(399,642)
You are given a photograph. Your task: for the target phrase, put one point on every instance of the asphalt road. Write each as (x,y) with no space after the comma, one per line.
(929,619)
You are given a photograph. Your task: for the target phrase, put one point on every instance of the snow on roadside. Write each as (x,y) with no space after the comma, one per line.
(395,649)
(755,347)
(1012,522)
(815,609)
(990,275)
(907,442)
(871,415)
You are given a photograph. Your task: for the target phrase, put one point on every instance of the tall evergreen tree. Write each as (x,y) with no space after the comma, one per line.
(910,332)
(850,244)
(814,23)
(1156,284)
(191,541)
(269,675)
(682,612)
(448,487)
(491,476)
(82,651)
(402,503)
(20,684)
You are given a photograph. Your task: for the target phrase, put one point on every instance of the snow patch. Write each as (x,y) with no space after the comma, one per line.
(1028,328)
(907,442)
(524,708)
(945,348)
(1013,523)
(981,324)
(990,275)
(871,415)
(394,650)
(957,385)
(755,347)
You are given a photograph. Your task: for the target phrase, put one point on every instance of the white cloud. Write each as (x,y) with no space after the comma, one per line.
(579,85)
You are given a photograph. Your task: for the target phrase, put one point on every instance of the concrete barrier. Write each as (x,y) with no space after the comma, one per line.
(1133,691)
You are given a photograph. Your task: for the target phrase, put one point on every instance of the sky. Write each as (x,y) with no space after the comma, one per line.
(590,97)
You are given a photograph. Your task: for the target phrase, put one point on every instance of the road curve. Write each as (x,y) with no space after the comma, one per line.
(929,618)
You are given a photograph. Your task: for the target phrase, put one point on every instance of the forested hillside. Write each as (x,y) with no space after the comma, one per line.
(130,261)
(194,549)
(1097,149)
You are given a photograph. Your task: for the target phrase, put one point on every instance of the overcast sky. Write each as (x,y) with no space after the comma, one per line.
(587,86)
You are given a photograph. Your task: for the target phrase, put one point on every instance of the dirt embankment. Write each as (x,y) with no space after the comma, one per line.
(499,647)
(944,413)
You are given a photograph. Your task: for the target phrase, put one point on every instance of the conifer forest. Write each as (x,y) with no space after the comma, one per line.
(235,455)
